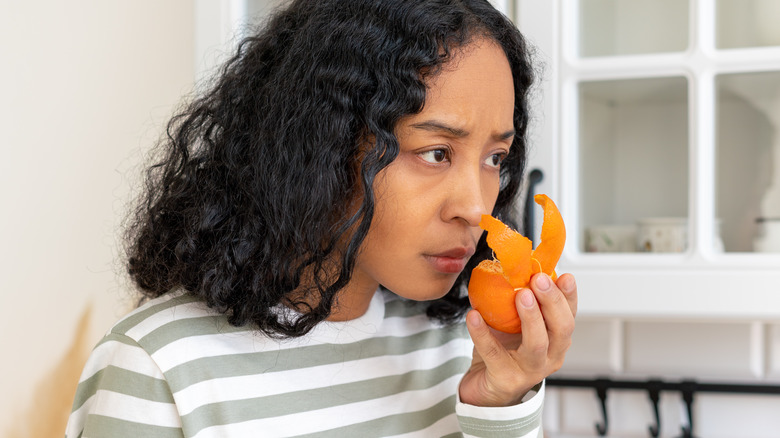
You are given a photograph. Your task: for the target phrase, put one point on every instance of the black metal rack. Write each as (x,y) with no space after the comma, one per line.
(687,388)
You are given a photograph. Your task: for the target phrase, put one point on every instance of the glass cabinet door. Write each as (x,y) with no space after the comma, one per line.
(658,124)
(634,137)
(655,83)
(633,164)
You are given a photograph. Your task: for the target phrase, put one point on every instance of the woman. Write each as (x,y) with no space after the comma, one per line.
(306,240)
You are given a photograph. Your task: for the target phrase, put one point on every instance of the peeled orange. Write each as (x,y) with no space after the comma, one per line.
(494,283)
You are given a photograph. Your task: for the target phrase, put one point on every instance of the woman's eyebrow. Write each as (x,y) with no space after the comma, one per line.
(438,126)
(506,136)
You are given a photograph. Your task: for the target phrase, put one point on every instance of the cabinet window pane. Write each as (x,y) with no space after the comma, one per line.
(748,161)
(747,23)
(625,27)
(633,161)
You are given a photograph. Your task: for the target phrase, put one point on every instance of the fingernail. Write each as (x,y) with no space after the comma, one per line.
(527,298)
(476,319)
(543,282)
(567,285)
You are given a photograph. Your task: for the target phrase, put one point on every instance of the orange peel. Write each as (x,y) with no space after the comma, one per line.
(494,283)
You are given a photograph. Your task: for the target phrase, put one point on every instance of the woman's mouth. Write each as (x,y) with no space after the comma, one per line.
(451,261)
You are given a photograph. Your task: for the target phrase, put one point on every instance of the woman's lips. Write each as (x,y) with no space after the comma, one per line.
(451,261)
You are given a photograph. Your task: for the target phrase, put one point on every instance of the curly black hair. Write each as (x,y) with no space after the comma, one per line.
(265,179)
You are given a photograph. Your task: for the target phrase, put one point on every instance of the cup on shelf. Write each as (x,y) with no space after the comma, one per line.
(662,234)
(610,238)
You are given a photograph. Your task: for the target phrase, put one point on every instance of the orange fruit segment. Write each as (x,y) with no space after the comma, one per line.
(511,248)
(494,283)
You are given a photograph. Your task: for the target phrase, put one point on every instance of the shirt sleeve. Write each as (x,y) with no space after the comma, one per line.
(123,393)
(523,420)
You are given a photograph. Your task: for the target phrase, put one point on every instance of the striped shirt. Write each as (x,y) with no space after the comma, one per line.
(175,368)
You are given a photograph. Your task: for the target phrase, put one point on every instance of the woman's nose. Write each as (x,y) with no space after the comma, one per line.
(466,199)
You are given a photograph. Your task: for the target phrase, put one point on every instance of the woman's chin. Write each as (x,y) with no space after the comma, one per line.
(425,290)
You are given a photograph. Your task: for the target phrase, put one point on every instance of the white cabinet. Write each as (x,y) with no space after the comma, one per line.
(658,132)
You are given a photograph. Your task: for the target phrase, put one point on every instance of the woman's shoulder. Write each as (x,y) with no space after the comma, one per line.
(174,308)
(171,319)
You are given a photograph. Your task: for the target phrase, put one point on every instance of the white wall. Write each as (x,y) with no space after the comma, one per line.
(85,86)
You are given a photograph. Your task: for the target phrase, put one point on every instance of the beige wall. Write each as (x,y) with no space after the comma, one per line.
(85,86)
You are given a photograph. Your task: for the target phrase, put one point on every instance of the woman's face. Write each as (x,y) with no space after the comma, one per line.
(430,199)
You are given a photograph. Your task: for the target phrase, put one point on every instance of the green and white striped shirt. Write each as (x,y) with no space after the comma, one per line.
(175,368)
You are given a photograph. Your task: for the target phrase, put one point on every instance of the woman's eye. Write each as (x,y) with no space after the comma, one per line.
(434,156)
(495,160)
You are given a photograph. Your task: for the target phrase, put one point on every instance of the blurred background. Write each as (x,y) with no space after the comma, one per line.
(85,88)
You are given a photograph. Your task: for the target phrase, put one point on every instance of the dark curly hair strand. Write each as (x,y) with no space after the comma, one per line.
(267,178)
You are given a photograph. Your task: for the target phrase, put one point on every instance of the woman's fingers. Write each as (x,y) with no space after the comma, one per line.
(533,350)
(557,308)
(490,350)
(502,371)
(496,377)
(568,286)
